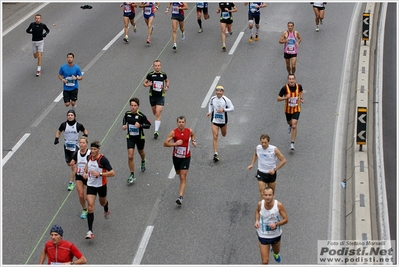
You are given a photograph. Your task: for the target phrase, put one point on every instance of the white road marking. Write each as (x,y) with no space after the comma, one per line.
(209,94)
(143,245)
(233,48)
(15,148)
(172,173)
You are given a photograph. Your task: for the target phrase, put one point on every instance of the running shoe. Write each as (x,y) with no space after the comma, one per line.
(277,257)
(143,166)
(200,30)
(227,30)
(131,178)
(321,21)
(71,186)
(38,73)
(125,39)
(251,39)
(89,235)
(231,32)
(317,28)
(289,129)
(106,214)
(84,214)
(216,158)
(148,40)
(156,134)
(179,200)
(256,38)
(224,48)
(174,48)
(134,28)
(292,147)
(183,36)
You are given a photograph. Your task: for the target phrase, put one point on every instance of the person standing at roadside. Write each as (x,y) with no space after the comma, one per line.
(158,82)
(292,94)
(267,156)
(71,129)
(218,107)
(181,137)
(269,217)
(70,74)
(80,159)
(254,16)
(177,10)
(59,251)
(128,15)
(202,7)
(134,122)
(96,172)
(226,20)
(291,40)
(318,8)
(36,29)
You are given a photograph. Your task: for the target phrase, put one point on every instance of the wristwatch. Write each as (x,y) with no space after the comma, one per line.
(101,174)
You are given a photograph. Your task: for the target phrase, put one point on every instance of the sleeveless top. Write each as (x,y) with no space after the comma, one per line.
(182,151)
(71,137)
(290,47)
(266,158)
(267,217)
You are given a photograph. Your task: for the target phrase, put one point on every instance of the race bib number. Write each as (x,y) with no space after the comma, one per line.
(175,10)
(70,81)
(157,86)
(252,8)
(133,130)
(219,118)
(127,9)
(180,152)
(147,10)
(225,15)
(200,4)
(70,145)
(293,102)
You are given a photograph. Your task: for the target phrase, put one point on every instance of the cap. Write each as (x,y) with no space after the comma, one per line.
(71,111)
(58,229)
(219,87)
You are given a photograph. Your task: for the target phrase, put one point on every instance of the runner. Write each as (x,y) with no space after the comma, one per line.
(202,7)
(149,11)
(267,156)
(59,251)
(226,20)
(158,82)
(128,15)
(218,107)
(36,29)
(70,74)
(182,137)
(71,129)
(80,158)
(254,15)
(269,217)
(177,19)
(292,94)
(96,172)
(318,8)
(291,40)
(134,122)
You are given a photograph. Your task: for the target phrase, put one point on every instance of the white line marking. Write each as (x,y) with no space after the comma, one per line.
(113,40)
(59,97)
(15,148)
(143,245)
(172,173)
(208,95)
(233,48)
(34,11)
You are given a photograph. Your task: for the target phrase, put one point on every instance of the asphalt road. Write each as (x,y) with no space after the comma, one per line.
(215,223)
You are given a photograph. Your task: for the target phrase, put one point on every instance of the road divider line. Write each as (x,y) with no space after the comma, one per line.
(233,48)
(15,148)
(143,245)
(172,173)
(210,92)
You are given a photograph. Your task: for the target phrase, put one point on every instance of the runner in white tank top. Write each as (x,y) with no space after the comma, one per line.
(269,217)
